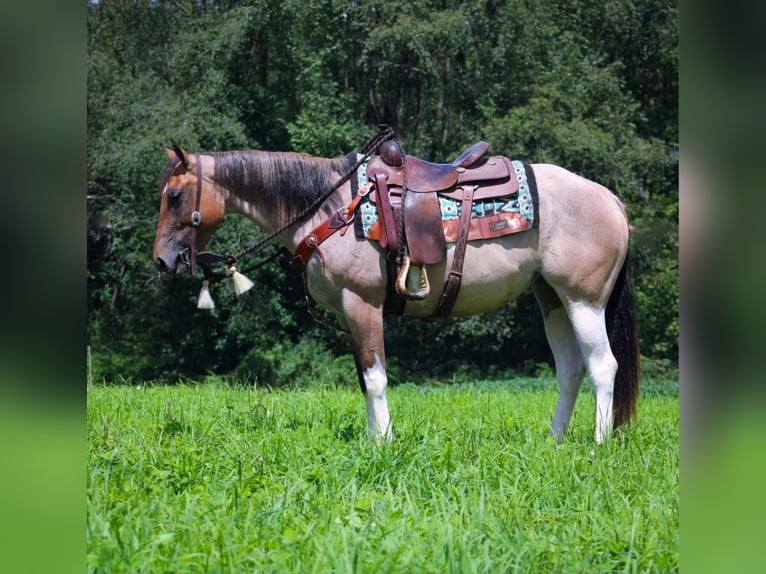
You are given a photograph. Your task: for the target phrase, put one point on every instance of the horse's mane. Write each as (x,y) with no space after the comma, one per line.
(287,182)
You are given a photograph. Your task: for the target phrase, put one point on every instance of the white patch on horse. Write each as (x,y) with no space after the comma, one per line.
(378,418)
(165,188)
(591,334)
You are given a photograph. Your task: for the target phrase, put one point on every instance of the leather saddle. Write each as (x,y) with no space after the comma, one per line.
(471,176)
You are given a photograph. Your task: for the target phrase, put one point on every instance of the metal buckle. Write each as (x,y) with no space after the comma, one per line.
(365,188)
(343,212)
(196,218)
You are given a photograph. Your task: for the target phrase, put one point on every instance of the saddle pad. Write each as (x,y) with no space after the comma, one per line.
(490,218)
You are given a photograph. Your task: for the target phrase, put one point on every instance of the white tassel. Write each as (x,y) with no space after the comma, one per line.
(241,283)
(205,300)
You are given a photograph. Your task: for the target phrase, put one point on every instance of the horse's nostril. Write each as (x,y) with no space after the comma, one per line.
(161,265)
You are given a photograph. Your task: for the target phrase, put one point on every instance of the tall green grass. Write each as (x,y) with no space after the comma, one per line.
(210,478)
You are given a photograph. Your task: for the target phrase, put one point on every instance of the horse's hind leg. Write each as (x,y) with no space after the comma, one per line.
(590,329)
(570,367)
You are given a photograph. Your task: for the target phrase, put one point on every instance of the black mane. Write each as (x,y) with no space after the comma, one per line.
(287,181)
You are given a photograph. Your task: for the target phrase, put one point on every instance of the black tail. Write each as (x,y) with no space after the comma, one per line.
(622,330)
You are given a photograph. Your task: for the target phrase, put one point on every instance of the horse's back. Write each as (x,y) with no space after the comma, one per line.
(570,199)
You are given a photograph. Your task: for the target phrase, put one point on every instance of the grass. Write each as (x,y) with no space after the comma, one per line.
(210,478)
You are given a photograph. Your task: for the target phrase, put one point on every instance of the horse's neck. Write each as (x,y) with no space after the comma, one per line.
(265,218)
(250,209)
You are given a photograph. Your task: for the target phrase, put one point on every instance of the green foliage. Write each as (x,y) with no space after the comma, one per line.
(212,478)
(500,343)
(296,365)
(591,86)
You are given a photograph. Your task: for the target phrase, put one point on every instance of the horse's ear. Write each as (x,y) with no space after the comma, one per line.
(178,153)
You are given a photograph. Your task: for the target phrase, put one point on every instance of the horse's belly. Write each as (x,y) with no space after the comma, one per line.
(492,275)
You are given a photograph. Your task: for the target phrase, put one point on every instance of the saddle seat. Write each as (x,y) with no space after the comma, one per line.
(489,174)
(426,176)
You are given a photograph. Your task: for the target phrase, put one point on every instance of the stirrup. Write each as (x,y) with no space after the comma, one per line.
(401,282)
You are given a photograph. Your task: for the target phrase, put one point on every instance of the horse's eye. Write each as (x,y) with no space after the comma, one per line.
(174,197)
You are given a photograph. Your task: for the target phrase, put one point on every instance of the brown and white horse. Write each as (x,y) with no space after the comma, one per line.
(576,261)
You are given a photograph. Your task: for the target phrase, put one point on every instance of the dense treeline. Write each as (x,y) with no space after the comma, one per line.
(589,85)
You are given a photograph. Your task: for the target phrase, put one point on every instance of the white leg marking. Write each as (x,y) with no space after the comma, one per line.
(378,419)
(570,369)
(602,371)
(590,328)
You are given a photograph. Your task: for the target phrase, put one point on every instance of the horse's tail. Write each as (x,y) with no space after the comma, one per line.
(622,331)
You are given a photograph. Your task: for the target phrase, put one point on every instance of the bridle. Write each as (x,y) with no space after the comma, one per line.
(189,254)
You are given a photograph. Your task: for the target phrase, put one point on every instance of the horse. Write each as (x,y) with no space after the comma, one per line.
(576,261)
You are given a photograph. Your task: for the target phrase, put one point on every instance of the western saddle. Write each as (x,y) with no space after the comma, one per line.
(407,188)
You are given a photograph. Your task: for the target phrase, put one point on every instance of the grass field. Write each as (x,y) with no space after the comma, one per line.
(212,478)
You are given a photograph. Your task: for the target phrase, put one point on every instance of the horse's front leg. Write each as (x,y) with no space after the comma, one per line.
(365,325)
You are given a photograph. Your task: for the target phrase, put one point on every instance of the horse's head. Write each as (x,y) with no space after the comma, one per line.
(191,208)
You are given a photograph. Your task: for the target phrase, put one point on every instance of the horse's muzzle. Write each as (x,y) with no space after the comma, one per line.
(165,269)
(177,266)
